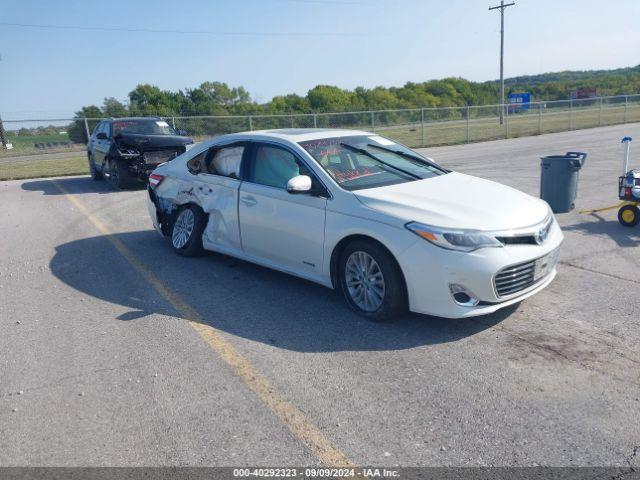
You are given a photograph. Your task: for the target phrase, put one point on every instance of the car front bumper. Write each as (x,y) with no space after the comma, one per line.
(430,271)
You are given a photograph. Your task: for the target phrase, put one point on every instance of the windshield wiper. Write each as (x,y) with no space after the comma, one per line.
(367,153)
(408,155)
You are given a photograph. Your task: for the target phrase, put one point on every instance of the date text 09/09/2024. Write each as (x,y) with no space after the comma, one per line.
(315,472)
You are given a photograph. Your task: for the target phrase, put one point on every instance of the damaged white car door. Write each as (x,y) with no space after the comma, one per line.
(279,228)
(215,186)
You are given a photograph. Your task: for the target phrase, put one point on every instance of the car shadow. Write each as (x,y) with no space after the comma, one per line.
(76,185)
(245,300)
(623,236)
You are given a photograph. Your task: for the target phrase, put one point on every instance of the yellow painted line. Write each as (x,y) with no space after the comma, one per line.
(290,415)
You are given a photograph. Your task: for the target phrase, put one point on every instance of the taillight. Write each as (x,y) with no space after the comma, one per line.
(627,192)
(155,180)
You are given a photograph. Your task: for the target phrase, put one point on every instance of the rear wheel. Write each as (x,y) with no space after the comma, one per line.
(186,233)
(95,174)
(371,281)
(629,215)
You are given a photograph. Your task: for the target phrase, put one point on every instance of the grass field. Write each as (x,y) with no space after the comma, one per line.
(403,126)
(25,144)
(43,167)
(485,128)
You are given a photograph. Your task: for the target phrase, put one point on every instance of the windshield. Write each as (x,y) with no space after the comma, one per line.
(142,127)
(369,161)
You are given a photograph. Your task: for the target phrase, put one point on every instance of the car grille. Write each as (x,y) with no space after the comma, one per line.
(160,156)
(518,240)
(538,237)
(515,278)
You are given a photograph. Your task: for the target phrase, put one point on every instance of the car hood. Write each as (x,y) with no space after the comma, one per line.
(144,142)
(456,200)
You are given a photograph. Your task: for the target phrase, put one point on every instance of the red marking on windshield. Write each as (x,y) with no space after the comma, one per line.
(324,153)
(353,174)
(325,142)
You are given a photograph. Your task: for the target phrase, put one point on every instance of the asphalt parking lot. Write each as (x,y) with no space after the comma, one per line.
(106,359)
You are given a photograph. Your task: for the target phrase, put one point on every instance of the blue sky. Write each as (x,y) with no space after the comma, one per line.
(48,73)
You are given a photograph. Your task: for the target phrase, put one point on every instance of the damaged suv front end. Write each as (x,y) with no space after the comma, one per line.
(143,153)
(125,150)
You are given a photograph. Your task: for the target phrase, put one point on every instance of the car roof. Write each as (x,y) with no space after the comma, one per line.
(294,135)
(127,119)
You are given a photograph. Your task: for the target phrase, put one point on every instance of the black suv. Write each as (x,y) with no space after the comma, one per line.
(125,150)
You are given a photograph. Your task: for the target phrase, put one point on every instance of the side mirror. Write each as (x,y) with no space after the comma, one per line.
(299,184)
(101,136)
(182,133)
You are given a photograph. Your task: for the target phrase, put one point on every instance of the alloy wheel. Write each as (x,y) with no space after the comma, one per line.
(365,281)
(183,228)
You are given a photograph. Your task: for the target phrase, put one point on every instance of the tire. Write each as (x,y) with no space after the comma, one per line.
(186,231)
(380,296)
(117,175)
(629,215)
(95,174)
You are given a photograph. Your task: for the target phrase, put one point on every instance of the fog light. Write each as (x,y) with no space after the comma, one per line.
(463,296)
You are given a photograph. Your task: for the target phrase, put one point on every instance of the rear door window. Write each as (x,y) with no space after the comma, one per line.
(226,161)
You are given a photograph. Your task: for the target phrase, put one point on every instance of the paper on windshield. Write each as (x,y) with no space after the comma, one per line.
(162,123)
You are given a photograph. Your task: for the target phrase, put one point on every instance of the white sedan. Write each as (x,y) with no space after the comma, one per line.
(356,211)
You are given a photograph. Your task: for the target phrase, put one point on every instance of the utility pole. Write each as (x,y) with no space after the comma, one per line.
(501,7)
(3,136)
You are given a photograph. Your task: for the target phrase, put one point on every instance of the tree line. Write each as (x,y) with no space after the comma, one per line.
(218,98)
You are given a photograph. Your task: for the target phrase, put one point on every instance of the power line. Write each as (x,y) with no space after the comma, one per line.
(182,32)
(501,7)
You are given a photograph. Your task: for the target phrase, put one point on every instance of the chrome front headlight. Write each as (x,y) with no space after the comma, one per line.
(454,239)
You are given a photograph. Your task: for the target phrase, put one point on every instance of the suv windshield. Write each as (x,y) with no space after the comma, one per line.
(142,127)
(369,161)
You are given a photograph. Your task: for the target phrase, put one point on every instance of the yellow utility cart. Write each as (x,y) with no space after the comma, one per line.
(629,192)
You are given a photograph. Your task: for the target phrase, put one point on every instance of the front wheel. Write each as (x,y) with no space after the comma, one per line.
(186,233)
(118,175)
(371,281)
(629,215)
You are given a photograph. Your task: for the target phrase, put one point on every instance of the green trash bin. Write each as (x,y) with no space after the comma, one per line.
(559,180)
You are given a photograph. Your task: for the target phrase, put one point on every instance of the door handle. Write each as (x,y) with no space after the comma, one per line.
(248,201)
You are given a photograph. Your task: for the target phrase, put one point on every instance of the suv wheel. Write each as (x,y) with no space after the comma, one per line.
(117,174)
(186,233)
(371,281)
(95,174)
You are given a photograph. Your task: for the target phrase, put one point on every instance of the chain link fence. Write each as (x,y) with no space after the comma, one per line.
(417,127)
